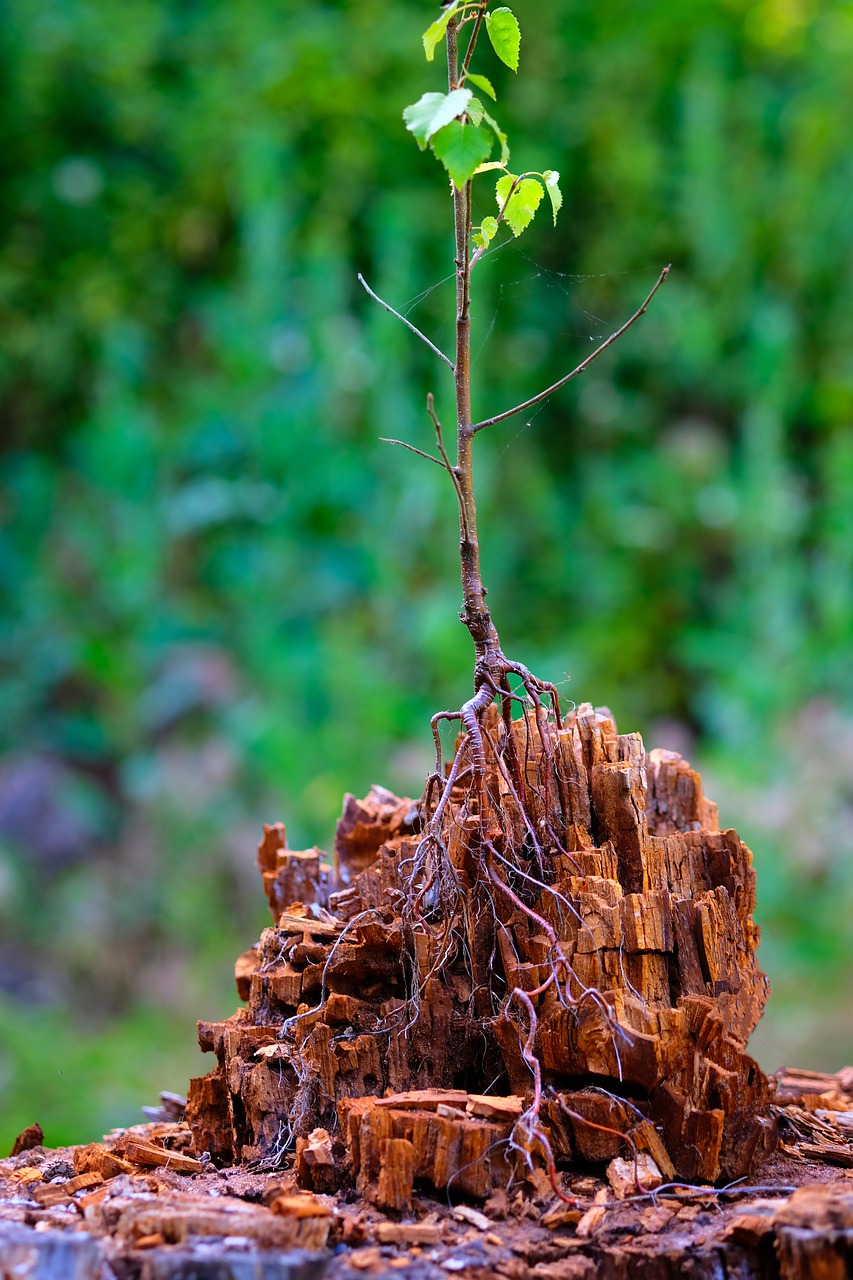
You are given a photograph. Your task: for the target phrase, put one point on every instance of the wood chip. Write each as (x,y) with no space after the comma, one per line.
(493,1108)
(147,1154)
(465,1213)
(50,1195)
(562,1215)
(95,1158)
(304,1206)
(365,1259)
(830,1152)
(408,1233)
(633,1177)
(27,1139)
(593,1218)
(424,1099)
(450,1113)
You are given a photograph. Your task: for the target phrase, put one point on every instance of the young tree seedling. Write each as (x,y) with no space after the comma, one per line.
(463,135)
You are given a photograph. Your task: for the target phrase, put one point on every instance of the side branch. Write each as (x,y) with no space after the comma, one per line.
(407,323)
(411,448)
(608,342)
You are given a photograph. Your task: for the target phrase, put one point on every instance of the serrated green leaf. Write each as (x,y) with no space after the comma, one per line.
(434,34)
(501,137)
(552,181)
(433,111)
(489,228)
(493,164)
(522,204)
(503,31)
(479,240)
(476,111)
(461,148)
(482,83)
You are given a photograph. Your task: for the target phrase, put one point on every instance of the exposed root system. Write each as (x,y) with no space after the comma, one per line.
(559,919)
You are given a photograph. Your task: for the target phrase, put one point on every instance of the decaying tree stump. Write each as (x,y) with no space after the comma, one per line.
(587,946)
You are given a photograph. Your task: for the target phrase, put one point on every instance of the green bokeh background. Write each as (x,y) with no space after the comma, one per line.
(225,602)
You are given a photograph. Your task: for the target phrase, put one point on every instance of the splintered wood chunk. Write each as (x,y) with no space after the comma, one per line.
(450,1113)
(274,839)
(82,1182)
(365,1259)
(593,1218)
(424,1099)
(410,1233)
(562,1215)
(291,922)
(633,1177)
(27,1139)
(95,1158)
(147,1154)
(179,1217)
(51,1195)
(396,1173)
(299,1207)
(750,1227)
(647,1138)
(367,824)
(315,1163)
(491,1108)
(465,1213)
(244,967)
(832,1153)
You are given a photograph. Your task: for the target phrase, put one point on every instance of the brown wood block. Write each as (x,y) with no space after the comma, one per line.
(244,967)
(148,1154)
(396,1173)
(408,1233)
(647,921)
(490,1107)
(27,1140)
(316,1168)
(423,1099)
(646,1138)
(274,839)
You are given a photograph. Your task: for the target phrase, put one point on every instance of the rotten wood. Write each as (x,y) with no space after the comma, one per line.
(796,1224)
(629,919)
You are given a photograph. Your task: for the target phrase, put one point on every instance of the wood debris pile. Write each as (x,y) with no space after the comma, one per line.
(601,936)
(132,1217)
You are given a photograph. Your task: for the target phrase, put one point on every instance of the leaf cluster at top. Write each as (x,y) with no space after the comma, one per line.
(462,134)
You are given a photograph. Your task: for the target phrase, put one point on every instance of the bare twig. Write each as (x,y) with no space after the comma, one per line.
(581,368)
(450,469)
(472,42)
(411,448)
(407,323)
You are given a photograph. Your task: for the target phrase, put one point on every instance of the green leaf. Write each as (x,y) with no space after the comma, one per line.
(476,111)
(482,83)
(433,111)
(522,204)
(461,148)
(489,228)
(434,34)
(493,164)
(479,240)
(501,137)
(505,35)
(552,179)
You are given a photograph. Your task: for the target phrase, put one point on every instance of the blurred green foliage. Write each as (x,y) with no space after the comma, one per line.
(224,602)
